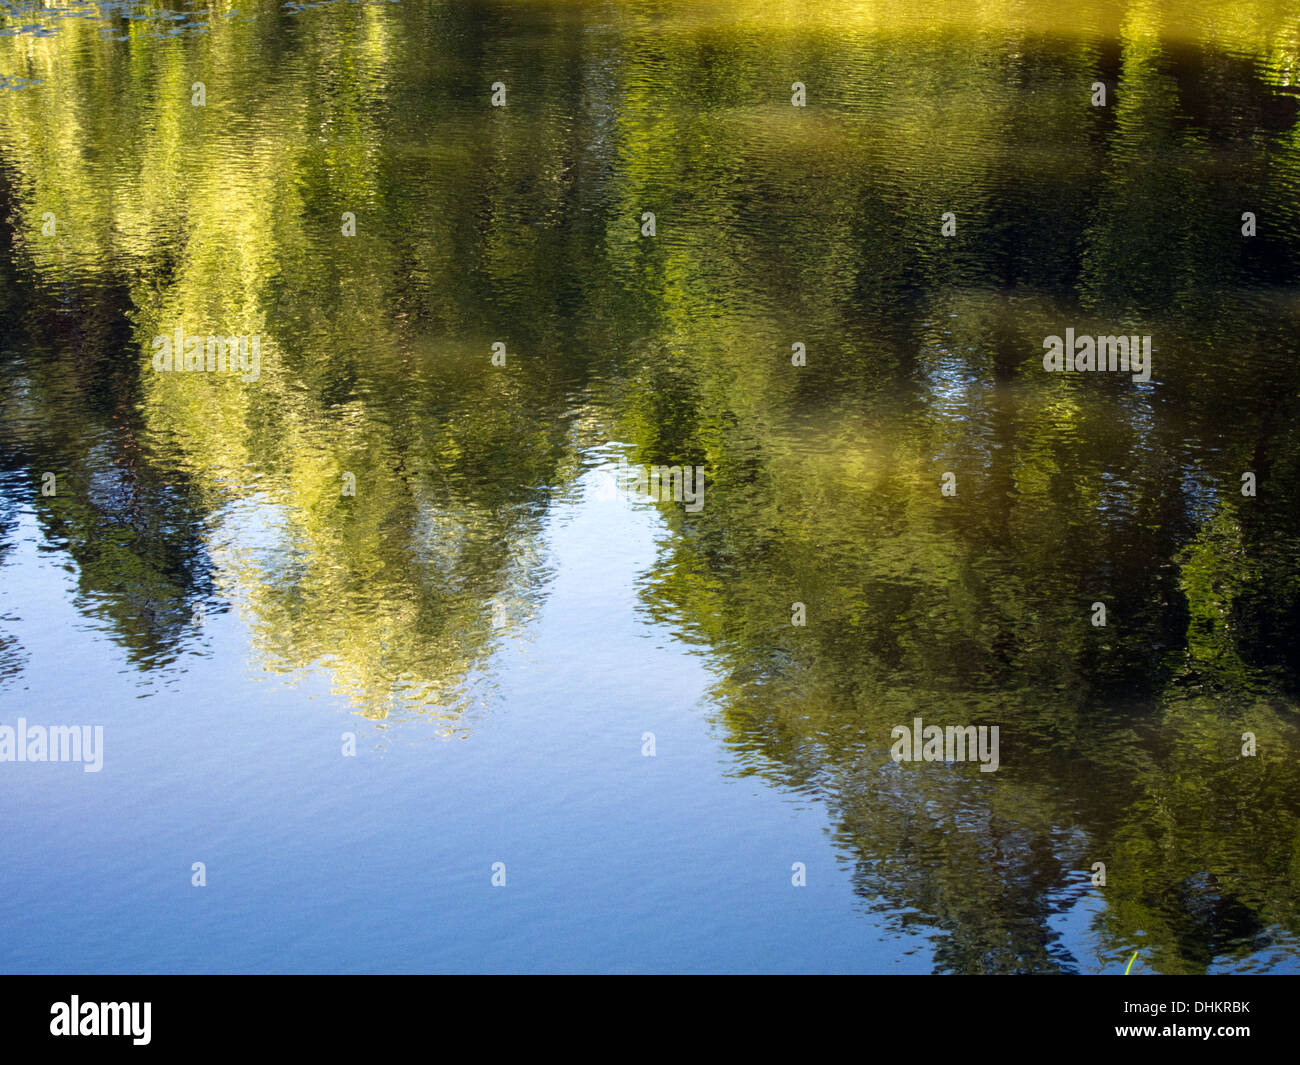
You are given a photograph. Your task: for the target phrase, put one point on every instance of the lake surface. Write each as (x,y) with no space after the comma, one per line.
(378,612)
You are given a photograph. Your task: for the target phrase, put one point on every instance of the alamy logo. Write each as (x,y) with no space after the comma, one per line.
(955,743)
(102,1018)
(212,354)
(55,743)
(1128,354)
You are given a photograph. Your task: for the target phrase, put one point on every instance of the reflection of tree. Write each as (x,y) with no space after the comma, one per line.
(129,522)
(454,460)
(1072,490)
(12,655)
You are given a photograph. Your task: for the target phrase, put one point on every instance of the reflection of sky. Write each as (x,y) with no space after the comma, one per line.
(1201,491)
(957,390)
(954,379)
(1116,498)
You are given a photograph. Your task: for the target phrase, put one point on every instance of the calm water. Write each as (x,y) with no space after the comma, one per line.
(500,630)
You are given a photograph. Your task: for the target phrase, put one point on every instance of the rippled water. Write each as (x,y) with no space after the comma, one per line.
(379,530)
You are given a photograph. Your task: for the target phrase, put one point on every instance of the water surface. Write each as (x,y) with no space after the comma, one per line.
(500,630)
